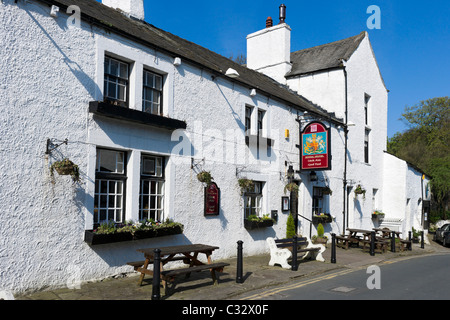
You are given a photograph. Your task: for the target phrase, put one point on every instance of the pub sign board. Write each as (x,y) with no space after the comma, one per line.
(316,148)
(212,200)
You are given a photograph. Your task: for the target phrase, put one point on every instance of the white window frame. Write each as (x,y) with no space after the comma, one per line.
(109,192)
(154,183)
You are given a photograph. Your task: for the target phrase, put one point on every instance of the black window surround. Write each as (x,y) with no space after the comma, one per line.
(109,110)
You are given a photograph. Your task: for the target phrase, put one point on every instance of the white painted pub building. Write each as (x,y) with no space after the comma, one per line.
(141,112)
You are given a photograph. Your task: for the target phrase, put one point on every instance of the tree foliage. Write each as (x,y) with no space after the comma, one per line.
(426,144)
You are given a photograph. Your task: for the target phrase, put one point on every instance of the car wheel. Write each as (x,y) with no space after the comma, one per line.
(444,242)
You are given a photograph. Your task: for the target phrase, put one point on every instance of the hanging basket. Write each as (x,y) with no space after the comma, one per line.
(66,167)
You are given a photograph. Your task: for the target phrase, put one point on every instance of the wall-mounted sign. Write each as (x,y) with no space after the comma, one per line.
(212,200)
(316,148)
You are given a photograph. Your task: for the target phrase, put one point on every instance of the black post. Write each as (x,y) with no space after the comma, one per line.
(333,248)
(156,295)
(239,272)
(422,241)
(410,242)
(393,241)
(372,243)
(294,266)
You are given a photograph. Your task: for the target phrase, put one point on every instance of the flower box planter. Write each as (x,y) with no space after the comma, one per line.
(93,238)
(325,218)
(377,216)
(255,224)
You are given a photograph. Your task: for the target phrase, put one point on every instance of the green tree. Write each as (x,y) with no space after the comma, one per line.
(426,144)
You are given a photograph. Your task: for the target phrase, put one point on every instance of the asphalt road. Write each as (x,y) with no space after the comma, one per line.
(424,278)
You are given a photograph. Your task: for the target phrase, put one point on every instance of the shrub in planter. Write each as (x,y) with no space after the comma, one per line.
(320,238)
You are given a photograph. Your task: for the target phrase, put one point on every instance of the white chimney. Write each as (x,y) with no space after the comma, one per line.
(269,50)
(133,8)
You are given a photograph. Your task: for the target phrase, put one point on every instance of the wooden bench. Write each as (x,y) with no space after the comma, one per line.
(405,245)
(139,264)
(380,244)
(280,252)
(343,242)
(170,275)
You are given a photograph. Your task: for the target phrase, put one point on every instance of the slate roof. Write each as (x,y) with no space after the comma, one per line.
(144,33)
(325,56)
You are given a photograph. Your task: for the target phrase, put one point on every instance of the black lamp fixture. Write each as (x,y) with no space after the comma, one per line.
(313,176)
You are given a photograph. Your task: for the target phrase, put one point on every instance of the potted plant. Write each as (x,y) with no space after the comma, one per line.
(377,214)
(360,190)
(66,167)
(245,184)
(255,222)
(320,238)
(416,235)
(205,177)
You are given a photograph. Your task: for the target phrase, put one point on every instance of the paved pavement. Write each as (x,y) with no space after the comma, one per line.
(257,276)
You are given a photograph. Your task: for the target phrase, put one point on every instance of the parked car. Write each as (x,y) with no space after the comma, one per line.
(443,235)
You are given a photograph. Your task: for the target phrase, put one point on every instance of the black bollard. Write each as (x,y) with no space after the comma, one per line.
(422,245)
(156,295)
(333,248)
(393,241)
(410,242)
(294,266)
(372,243)
(239,271)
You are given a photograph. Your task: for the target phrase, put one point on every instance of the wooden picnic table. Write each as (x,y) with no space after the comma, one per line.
(354,233)
(386,233)
(189,254)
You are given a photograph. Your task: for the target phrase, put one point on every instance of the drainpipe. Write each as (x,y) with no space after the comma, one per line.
(344,194)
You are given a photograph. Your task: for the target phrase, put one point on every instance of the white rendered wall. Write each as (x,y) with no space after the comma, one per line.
(50,73)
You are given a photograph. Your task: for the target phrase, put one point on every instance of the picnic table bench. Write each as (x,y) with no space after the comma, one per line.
(186,253)
(280,250)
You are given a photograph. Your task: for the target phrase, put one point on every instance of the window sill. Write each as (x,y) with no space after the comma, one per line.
(109,110)
(92,238)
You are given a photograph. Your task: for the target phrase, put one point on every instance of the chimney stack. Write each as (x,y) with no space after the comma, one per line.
(131,8)
(269,50)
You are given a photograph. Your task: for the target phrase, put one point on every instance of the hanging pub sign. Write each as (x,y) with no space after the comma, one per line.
(212,200)
(316,148)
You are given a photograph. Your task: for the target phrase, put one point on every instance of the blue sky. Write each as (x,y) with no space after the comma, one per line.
(412,47)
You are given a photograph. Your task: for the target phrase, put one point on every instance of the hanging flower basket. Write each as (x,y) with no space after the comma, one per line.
(246,184)
(66,167)
(291,187)
(359,190)
(205,177)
